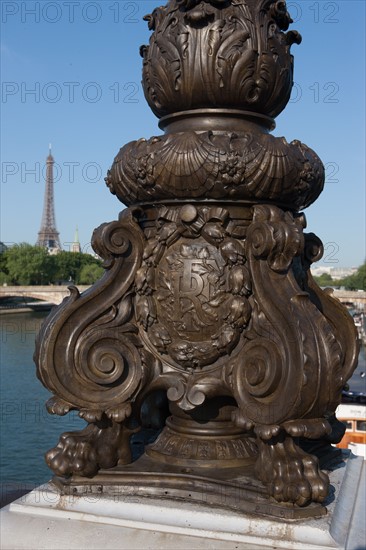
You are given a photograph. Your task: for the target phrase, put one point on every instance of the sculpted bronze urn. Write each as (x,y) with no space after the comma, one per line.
(207,304)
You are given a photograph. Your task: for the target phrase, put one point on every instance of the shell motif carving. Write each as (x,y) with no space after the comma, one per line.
(235,52)
(232,166)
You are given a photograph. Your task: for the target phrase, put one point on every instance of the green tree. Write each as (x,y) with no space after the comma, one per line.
(324,280)
(357,281)
(69,266)
(4,273)
(29,265)
(24,264)
(90,273)
(4,278)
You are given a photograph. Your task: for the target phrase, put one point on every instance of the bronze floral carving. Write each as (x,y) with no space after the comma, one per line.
(207,303)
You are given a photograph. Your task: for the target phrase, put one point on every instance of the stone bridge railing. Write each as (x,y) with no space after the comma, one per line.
(357,297)
(52,293)
(55,294)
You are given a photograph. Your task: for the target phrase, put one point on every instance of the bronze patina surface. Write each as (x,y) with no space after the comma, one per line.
(207,334)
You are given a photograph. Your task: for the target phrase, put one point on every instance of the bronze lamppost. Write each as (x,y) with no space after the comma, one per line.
(207,301)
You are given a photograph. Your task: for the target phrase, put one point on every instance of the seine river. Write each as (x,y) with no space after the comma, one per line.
(26,429)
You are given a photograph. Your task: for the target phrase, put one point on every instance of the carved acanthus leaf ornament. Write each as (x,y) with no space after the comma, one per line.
(235,52)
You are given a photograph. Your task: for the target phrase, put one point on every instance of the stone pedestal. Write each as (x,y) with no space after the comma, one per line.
(45,519)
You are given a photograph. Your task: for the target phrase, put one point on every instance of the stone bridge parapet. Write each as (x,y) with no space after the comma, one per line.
(356,297)
(55,294)
(51,293)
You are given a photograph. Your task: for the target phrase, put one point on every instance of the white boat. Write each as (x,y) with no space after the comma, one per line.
(354,416)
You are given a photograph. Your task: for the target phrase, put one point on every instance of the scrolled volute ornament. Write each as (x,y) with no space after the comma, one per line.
(275,236)
(97,366)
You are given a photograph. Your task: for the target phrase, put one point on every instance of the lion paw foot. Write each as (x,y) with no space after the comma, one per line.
(85,452)
(291,475)
(74,454)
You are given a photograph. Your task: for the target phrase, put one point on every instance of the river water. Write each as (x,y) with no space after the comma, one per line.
(27,430)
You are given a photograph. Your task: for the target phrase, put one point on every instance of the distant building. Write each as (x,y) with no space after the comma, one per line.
(48,236)
(75,247)
(334,272)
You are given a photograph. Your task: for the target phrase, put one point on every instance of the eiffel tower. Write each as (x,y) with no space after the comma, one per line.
(48,236)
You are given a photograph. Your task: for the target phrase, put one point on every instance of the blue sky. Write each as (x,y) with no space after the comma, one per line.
(81,59)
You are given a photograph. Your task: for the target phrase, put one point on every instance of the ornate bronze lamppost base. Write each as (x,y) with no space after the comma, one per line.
(208,305)
(198,461)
